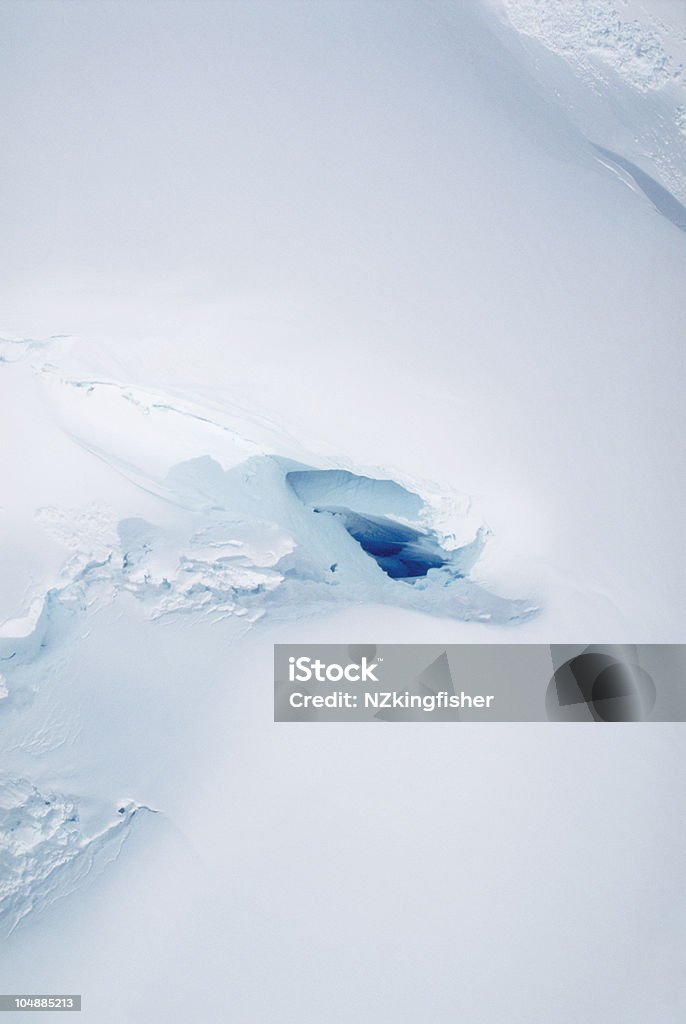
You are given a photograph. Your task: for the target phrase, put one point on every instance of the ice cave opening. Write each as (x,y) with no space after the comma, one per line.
(402,551)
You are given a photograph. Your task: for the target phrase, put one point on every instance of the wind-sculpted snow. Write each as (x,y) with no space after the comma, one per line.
(45,853)
(629,61)
(200,513)
(663,201)
(244,544)
(593,32)
(238,539)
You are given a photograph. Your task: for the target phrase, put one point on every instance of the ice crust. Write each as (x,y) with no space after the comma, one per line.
(45,853)
(259,538)
(593,33)
(633,51)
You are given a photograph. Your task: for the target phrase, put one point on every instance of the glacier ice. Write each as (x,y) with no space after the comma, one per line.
(242,534)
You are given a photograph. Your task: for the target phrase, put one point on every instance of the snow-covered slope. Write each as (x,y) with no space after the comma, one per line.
(344,323)
(628,59)
(235,529)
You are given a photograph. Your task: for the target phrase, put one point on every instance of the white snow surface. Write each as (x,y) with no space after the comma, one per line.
(265,263)
(629,57)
